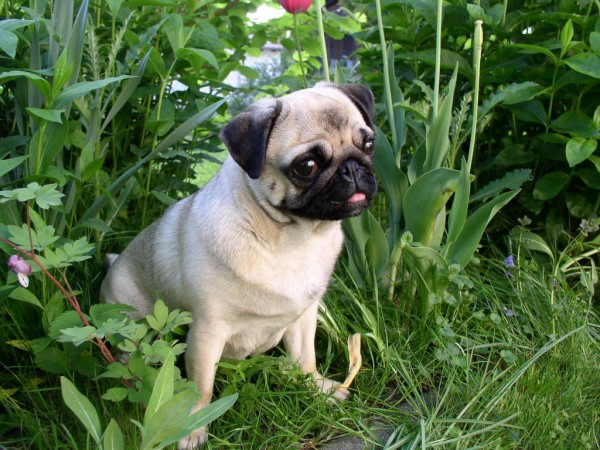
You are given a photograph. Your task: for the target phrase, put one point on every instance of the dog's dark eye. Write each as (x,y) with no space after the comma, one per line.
(305,168)
(369,147)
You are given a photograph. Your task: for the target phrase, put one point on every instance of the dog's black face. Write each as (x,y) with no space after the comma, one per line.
(330,189)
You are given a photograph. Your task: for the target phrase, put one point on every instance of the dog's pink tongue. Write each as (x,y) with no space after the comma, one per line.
(357,197)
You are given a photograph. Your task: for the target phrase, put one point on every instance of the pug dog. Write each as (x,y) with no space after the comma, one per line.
(251,254)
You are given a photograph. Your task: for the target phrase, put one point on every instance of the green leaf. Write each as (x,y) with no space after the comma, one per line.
(8,42)
(6,165)
(521,92)
(579,149)
(566,35)
(113,437)
(26,296)
(163,389)
(203,417)
(80,89)
(511,180)
(424,201)
(40,83)
(579,206)
(585,63)
(595,41)
(550,185)
(116,394)
(77,335)
(462,249)
(67,319)
(82,408)
(460,204)
(46,144)
(393,180)
(169,420)
(197,57)
(590,176)
(532,241)
(575,124)
(114,6)
(437,140)
(50,115)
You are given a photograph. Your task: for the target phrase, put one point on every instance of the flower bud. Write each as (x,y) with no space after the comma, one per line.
(21,269)
(295,6)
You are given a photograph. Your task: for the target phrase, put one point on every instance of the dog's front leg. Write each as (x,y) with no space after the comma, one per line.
(205,347)
(299,341)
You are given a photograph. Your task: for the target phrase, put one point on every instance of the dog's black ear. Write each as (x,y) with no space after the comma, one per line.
(362,97)
(247,135)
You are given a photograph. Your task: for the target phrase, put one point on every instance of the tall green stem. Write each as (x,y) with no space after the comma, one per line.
(438,58)
(386,75)
(299,50)
(322,38)
(477,46)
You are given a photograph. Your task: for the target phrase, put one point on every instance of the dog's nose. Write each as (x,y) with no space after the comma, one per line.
(350,170)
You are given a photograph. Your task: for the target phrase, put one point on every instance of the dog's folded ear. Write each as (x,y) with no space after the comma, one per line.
(247,135)
(361,96)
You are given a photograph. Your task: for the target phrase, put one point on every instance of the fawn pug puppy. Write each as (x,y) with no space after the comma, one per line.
(250,255)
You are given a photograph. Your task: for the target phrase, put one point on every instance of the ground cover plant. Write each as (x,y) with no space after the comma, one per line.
(476,302)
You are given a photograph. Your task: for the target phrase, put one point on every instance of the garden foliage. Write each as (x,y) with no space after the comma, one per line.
(111,109)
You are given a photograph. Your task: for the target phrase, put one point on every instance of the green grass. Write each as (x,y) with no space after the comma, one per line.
(499,381)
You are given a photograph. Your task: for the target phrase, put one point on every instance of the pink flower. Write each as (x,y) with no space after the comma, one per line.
(295,6)
(21,269)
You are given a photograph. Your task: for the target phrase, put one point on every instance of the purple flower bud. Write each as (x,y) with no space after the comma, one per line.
(21,269)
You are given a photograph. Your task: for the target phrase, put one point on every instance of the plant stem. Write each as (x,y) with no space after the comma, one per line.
(299,50)
(438,58)
(322,38)
(386,76)
(477,45)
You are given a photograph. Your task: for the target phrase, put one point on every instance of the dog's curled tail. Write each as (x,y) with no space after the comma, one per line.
(109,259)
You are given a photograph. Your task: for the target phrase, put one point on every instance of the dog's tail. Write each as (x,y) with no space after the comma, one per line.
(109,259)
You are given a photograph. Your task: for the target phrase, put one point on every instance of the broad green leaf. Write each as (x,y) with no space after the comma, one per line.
(26,296)
(448,60)
(595,41)
(77,335)
(437,140)
(460,204)
(80,89)
(369,249)
(68,319)
(62,73)
(175,31)
(163,389)
(575,124)
(585,63)
(40,83)
(76,42)
(203,417)
(169,420)
(52,359)
(113,437)
(197,57)
(590,176)
(8,42)
(114,6)
(6,165)
(550,185)
(82,408)
(528,48)
(424,264)
(50,115)
(424,201)
(116,394)
(579,149)
(462,249)
(393,180)
(46,144)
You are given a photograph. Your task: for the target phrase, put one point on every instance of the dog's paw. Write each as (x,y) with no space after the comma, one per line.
(333,388)
(193,440)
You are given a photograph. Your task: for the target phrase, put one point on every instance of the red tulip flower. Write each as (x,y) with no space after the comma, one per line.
(295,6)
